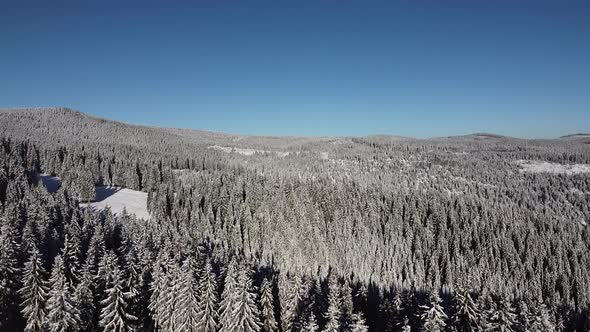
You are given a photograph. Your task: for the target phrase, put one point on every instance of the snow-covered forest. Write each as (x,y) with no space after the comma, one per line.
(247,233)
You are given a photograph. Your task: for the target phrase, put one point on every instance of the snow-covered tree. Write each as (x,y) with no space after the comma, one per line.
(187,310)
(9,275)
(207,306)
(358,323)
(269,323)
(334,311)
(502,317)
(433,316)
(228,298)
(34,293)
(84,298)
(466,312)
(245,316)
(347,306)
(63,315)
(310,324)
(162,301)
(114,314)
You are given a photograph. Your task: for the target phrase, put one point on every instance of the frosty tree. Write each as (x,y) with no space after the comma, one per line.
(34,293)
(63,315)
(208,301)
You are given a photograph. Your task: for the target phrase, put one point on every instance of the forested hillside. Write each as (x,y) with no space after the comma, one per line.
(246,233)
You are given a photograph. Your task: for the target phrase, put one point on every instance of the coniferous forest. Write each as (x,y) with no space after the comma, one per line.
(250,233)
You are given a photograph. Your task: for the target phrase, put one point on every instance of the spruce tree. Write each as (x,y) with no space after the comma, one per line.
(187,311)
(246,316)
(358,323)
(34,293)
(433,316)
(466,312)
(310,324)
(502,317)
(334,311)
(9,276)
(63,315)
(114,314)
(207,306)
(228,298)
(269,323)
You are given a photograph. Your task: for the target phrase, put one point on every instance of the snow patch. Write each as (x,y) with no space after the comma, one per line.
(533,166)
(118,199)
(245,151)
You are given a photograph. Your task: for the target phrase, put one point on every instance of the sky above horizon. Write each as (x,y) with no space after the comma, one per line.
(411,68)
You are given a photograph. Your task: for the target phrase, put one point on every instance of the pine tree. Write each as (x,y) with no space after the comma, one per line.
(540,318)
(334,311)
(84,298)
(466,312)
(433,315)
(246,316)
(9,276)
(347,306)
(63,315)
(162,301)
(311,324)
(228,298)
(269,323)
(502,317)
(187,312)
(207,306)
(114,316)
(34,293)
(358,323)
(70,256)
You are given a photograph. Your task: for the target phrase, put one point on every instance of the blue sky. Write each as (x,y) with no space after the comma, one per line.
(414,68)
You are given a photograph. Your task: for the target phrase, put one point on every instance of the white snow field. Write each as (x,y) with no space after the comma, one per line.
(116,198)
(533,166)
(246,152)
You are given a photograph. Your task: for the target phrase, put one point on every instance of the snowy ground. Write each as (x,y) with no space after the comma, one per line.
(121,198)
(245,152)
(52,183)
(533,166)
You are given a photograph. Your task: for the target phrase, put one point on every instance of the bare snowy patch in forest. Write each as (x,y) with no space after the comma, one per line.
(118,199)
(245,151)
(51,183)
(533,166)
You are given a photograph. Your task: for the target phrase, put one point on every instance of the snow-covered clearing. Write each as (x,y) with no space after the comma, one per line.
(135,202)
(245,151)
(51,183)
(533,166)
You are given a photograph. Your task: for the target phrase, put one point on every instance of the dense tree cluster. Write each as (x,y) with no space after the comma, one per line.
(363,234)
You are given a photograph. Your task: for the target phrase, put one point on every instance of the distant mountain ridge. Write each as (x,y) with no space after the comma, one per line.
(9,115)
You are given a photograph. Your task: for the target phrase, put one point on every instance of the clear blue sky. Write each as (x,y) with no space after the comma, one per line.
(417,68)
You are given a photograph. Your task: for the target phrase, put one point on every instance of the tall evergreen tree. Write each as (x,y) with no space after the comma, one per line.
(334,311)
(207,306)
(502,317)
(466,312)
(358,323)
(187,311)
(114,314)
(228,298)
(433,316)
(269,323)
(310,324)
(63,315)
(9,276)
(34,293)
(246,316)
